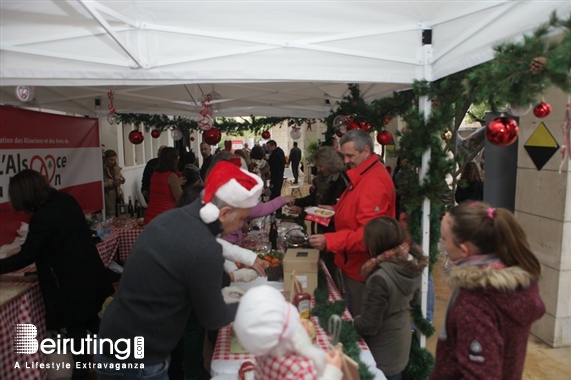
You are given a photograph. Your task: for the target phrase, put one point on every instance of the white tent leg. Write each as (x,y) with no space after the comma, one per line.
(425,107)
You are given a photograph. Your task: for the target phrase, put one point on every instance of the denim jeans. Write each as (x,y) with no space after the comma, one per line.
(150,372)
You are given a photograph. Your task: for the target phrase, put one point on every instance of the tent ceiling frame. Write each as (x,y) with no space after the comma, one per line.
(472,30)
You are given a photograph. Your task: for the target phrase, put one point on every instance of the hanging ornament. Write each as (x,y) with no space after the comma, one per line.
(517,110)
(176,134)
(365,126)
(502,131)
(207,119)
(112,118)
(387,120)
(542,110)
(266,135)
(155,133)
(192,138)
(352,124)
(537,65)
(446,135)
(295,133)
(136,137)
(340,123)
(309,125)
(384,137)
(25,93)
(112,115)
(212,136)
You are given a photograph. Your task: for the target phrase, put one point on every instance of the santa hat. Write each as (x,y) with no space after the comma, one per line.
(232,185)
(264,320)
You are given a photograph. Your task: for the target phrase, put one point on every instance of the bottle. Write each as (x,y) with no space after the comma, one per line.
(274,235)
(107,227)
(130,209)
(303,303)
(99,229)
(137,208)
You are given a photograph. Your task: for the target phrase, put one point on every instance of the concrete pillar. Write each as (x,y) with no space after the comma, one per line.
(543,207)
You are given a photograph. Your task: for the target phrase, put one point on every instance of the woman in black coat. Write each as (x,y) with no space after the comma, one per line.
(73,279)
(471,186)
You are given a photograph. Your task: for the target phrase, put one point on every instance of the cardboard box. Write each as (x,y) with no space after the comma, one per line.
(305,262)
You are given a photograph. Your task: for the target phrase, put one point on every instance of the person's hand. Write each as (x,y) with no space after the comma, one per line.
(183,181)
(109,183)
(289,199)
(295,210)
(260,267)
(326,207)
(318,242)
(245,275)
(120,180)
(231,294)
(333,357)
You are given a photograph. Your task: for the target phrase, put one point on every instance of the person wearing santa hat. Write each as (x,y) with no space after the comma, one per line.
(269,327)
(176,266)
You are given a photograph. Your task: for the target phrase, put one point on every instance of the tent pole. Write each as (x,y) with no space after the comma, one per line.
(425,107)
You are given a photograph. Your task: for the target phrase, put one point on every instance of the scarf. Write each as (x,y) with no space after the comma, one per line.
(489,260)
(370,265)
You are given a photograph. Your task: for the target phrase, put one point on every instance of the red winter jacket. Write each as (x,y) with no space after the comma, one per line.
(487,324)
(369,194)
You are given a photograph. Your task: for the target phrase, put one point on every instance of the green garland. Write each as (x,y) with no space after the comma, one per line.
(226,125)
(349,336)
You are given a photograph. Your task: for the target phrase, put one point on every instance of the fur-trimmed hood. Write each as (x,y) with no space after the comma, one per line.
(512,291)
(404,271)
(507,279)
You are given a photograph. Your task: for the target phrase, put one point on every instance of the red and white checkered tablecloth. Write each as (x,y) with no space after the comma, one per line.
(128,235)
(26,308)
(118,243)
(226,363)
(108,246)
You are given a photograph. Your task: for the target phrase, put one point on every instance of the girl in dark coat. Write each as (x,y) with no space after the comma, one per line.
(72,276)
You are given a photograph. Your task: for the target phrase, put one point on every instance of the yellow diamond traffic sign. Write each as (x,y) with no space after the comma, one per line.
(541,146)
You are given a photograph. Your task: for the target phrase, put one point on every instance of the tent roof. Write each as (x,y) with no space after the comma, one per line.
(269,58)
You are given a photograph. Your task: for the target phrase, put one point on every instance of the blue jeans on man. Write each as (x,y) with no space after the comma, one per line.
(158,371)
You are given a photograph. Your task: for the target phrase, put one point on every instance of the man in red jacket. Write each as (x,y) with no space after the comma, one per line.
(369,194)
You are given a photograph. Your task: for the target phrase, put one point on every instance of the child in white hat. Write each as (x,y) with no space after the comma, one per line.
(269,327)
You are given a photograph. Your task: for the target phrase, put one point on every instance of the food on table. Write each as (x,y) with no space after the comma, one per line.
(310,328)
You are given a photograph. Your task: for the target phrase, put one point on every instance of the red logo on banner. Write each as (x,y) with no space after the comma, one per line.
(47,166)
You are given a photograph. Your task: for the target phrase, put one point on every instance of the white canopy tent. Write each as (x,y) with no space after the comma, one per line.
(269,58)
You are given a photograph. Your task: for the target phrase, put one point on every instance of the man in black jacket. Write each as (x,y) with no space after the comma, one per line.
(176,266)
(277,165)
(294,159)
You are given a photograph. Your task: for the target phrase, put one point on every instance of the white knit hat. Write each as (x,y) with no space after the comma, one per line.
(232,185)
(264,319)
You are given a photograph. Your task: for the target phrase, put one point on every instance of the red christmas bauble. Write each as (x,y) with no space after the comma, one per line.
(387,120)
(384,137)
(212,136)
(136,137)
(191,138)
(352,124)
(266,135)
(502,131)
(542,110)
(155,133)
(365,126)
